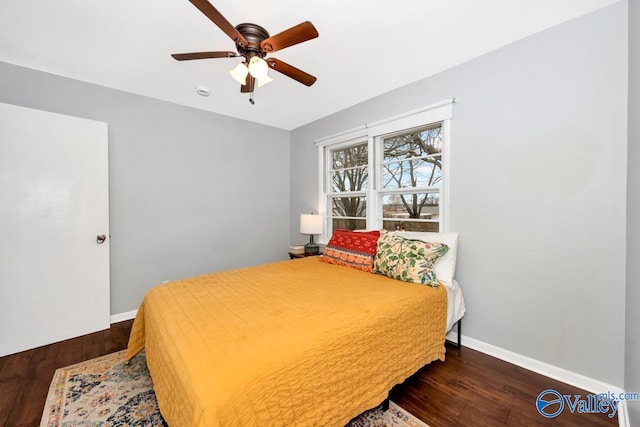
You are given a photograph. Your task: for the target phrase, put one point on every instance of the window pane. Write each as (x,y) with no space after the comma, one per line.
(354,179)
(413,144)
(411,226)
(411,206)
(412,159)
(349,168)
(349,206)
(426,172)
(349,224)
(357,155)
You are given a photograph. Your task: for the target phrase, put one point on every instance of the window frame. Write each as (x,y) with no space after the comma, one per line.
(373,134)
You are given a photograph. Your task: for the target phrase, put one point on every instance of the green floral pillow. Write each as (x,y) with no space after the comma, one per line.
(408,260)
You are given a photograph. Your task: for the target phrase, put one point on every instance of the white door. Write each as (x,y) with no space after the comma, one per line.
(54,202)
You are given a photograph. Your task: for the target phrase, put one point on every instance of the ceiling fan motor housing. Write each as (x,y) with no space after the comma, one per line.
(254,34)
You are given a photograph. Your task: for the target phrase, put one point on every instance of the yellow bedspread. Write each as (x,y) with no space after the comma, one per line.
(292,343)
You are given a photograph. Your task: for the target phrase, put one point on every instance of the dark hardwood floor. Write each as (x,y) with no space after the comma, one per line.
(25,376)
(473,389)
(468,389)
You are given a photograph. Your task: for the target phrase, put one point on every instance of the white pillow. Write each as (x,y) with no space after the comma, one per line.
(445,267)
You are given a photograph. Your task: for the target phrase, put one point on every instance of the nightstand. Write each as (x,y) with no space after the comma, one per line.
(294,256)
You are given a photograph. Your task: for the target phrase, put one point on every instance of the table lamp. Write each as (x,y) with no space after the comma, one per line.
(311,224)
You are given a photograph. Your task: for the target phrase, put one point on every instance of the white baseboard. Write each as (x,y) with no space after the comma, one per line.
(577,380)
(115,318)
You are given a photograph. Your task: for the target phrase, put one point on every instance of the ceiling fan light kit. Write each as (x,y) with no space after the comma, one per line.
(254,43)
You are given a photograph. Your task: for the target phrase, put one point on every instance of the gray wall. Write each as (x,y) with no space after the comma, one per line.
(632,357)
(190,191)
(537,189)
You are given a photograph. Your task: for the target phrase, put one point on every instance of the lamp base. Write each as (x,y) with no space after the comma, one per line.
(311,249)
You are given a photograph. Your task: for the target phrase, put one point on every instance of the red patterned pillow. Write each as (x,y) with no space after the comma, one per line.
(353,249)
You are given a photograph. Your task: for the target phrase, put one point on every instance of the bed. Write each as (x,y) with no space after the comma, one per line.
(300,342)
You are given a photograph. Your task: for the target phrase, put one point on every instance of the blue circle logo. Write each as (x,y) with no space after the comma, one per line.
(549,403)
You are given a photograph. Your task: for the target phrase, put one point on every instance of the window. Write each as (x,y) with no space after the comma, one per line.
(390,174)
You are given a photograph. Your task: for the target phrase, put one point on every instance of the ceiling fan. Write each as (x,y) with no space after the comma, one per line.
(254,43)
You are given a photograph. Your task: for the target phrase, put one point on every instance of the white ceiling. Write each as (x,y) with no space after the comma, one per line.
(365,48)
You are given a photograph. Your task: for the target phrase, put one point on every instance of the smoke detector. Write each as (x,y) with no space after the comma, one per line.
(203,91)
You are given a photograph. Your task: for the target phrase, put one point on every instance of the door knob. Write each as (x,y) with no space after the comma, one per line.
(100,238)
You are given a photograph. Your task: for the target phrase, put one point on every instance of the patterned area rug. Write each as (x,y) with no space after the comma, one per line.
(104,392)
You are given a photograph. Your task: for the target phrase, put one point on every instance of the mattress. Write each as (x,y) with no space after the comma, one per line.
(456,308)
(289,343)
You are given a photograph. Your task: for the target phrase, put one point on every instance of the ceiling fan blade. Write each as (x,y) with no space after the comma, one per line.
(291,71)
(251,81)
(216,17)
(294,35)
(203,55)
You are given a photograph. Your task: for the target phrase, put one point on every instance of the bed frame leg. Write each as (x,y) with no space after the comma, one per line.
(385,405)
(458,344)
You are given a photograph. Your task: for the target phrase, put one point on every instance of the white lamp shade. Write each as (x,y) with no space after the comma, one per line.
(311,224)
(258,67)
(263,80)
(239,73)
